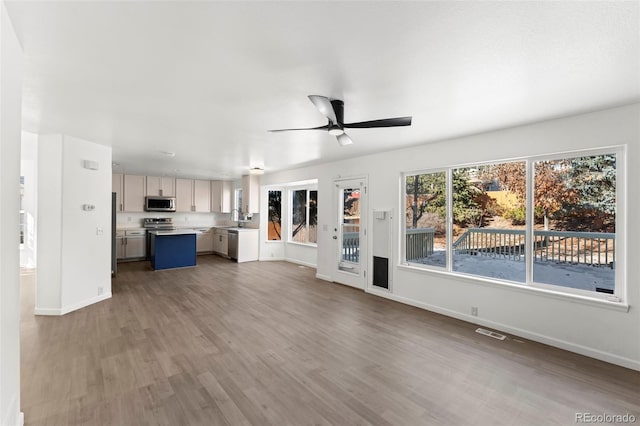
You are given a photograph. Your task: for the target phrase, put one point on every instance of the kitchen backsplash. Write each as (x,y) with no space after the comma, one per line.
(134,220)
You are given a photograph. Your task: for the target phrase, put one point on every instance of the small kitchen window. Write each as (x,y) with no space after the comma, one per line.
(274,223)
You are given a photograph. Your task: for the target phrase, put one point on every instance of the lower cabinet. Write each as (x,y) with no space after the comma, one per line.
(131,245)
(221,242)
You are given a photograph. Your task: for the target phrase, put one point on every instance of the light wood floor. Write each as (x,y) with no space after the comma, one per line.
(267,343)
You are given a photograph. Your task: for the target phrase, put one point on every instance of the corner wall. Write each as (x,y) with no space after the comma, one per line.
(593,330)
(10,119)
(74,245)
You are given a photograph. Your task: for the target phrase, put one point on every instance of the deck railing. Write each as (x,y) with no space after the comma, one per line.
(351,247)
(419,243)
(587,248)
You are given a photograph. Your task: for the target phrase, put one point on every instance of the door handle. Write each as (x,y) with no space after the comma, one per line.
(335,237)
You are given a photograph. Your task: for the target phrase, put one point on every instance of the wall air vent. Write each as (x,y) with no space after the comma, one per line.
(491,334)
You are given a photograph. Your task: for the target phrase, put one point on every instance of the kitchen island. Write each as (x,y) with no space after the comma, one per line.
(172,248)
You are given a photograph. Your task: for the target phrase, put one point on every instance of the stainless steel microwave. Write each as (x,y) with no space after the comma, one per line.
(160,204)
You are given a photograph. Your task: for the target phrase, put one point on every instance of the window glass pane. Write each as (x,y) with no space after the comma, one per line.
(489,220)
(313,216)
(274,224)
(299,216)
(425,217)
(575,214)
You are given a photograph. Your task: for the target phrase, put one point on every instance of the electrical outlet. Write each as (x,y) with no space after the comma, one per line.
(474,311)
(99,231)
(128,218)
(100,290)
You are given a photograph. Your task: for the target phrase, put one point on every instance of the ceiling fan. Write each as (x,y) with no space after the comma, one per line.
(333,109)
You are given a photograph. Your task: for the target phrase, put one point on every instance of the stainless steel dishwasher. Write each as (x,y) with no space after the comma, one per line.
(233,244)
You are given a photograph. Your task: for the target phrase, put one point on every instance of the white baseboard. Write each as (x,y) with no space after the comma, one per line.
(84,303)
(21,419)
(300,262)
(551,341)
(71,308)
(271,259)
(47,311)
(324,277)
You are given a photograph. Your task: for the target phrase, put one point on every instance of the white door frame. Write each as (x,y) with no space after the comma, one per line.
(358,279)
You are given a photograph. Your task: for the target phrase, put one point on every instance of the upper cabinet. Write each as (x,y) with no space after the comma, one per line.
(163,186)
(134,192)
(220,196)
(193,195)
(201,196)
(250,194)
(117,186)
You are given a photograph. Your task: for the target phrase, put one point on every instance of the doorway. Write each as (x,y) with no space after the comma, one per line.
(350,231)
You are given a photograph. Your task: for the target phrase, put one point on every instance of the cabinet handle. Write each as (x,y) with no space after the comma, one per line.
(120,206)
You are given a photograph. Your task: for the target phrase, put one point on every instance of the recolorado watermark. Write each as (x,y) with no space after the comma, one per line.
(605,418)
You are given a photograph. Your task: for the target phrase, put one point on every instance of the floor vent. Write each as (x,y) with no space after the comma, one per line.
(491,334)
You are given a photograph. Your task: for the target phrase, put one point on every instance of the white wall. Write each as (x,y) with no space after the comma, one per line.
(74,245)
(591,329)
(10,118)
(29,169)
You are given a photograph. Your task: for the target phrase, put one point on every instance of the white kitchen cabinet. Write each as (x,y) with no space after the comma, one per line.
(163,186)
(250,194)
(117,186)
(204,240)
(134,191)
(131,245)
(247,245)
(184,195)
(221,242)
(201,196)
(193,195)
(221,196)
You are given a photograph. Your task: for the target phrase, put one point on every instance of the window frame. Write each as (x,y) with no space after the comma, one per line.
(618,298)
(290,191)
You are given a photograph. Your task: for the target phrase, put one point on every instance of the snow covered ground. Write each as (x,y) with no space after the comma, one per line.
(584,277)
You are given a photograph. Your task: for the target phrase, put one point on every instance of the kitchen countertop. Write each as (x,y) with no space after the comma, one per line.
(235,228)
(173,232)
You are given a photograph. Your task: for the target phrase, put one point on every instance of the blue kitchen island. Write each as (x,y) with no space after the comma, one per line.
(172,249)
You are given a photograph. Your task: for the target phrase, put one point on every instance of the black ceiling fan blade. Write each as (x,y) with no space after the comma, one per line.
(385,122)
(324,106)
(344,139)
(325,127)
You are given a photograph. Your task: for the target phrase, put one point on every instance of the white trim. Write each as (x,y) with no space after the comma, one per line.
(271,259)
(324,277)
(522,287)
(21,419)
(300,262)
(84,303)
(71,308)
(541,338)
(47,311)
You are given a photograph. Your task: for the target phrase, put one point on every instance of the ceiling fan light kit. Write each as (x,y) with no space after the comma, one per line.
(333,109)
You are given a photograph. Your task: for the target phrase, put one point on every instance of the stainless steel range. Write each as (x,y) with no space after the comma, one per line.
(153,224)
(158,223)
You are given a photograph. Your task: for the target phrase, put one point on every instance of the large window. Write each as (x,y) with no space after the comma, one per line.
(543,221)
(304,216)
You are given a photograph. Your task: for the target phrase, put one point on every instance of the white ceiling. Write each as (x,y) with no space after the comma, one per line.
(207,79)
